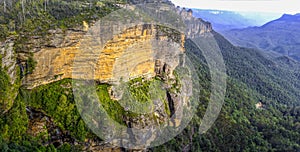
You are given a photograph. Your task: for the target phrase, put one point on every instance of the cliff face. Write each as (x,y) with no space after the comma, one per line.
(129,54)
(8,75)
(54,60)
(9,59)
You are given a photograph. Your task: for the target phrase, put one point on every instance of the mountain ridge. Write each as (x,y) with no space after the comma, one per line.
(281,36)
(223,20)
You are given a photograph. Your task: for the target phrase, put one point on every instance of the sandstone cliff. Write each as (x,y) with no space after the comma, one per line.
(120,55)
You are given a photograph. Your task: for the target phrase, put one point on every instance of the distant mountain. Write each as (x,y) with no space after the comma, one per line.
(281,36)
(226,20)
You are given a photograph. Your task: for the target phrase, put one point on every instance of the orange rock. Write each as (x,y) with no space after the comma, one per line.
(129,54)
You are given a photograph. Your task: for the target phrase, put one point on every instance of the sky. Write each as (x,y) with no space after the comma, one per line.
(276,6)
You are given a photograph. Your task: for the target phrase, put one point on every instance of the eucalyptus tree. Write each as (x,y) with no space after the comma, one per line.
(4,5)
(23,9)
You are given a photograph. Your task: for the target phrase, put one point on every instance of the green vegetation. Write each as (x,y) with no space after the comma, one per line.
(113,108)
(138,98)
(142,93)
(139,89)
(57,101)
(8,91)
(30,65)
(4,89)
(15,122)
(13,127)
(34,18)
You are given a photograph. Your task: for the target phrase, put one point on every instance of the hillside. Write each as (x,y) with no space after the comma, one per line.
(39,104)
(242,126)
(281,36)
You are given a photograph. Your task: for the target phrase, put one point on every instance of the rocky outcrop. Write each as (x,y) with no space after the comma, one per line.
(8,67)
(8,57)
(194,26)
